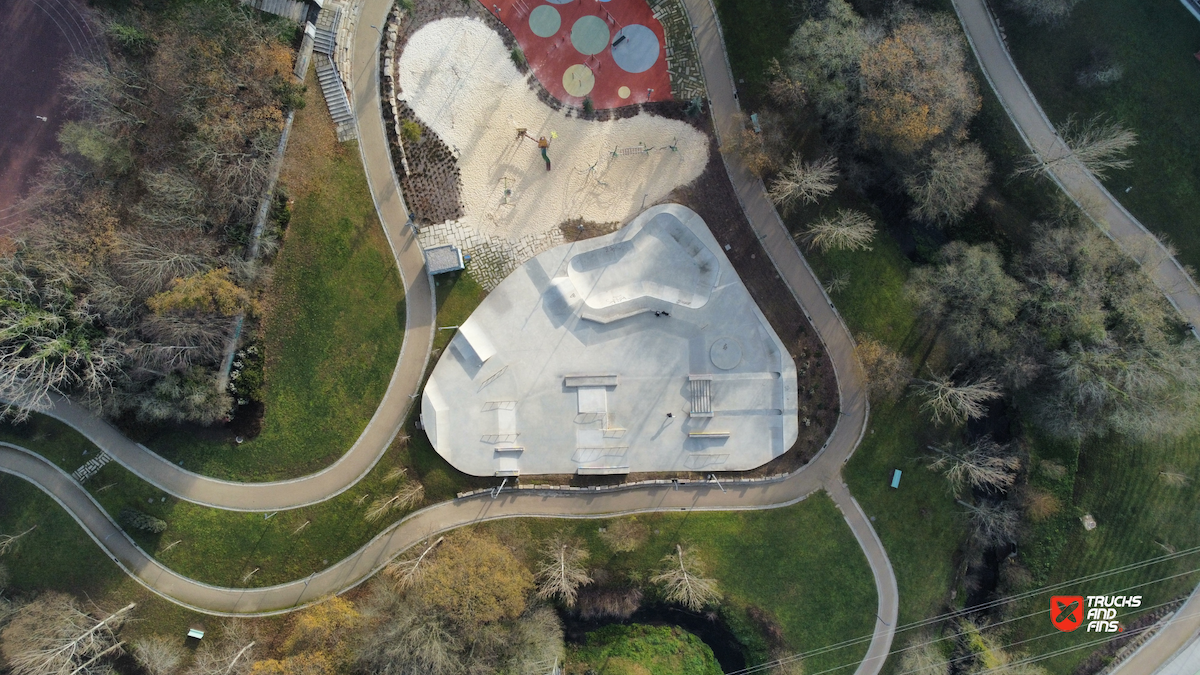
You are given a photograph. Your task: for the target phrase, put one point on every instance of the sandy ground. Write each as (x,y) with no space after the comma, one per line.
(458,78)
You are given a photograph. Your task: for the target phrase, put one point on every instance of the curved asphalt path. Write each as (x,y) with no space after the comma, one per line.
(1078,183)
(1129,234)
(823,472)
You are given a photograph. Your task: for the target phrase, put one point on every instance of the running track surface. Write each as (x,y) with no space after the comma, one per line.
(569,46)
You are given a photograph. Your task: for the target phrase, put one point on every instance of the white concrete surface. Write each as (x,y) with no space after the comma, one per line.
(459,79)
(566,367)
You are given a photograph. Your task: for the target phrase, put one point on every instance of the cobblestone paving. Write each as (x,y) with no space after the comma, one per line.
(683,62)
(492,258)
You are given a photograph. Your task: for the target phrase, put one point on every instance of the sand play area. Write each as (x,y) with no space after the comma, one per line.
(459,79)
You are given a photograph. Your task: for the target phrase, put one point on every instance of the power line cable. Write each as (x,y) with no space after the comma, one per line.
(987,605)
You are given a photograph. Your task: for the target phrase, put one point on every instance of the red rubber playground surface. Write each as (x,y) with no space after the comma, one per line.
(612,51)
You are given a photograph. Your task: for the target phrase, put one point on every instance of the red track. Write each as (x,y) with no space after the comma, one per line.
(550,57)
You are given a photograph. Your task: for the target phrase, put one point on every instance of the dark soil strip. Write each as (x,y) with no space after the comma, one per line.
(32,52)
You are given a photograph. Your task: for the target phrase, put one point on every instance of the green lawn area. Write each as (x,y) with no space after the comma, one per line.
(800,565)
(214,546)
(1139,516)
(755,31)
(1158,97)
(643,650)
(332,326)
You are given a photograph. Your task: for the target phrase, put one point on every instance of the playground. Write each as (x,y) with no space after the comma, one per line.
(611,51)
(526,167)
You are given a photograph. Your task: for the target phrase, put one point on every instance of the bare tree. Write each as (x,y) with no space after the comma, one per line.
(985,464)
(922,657)
(52,635)
(1098,145)
(561,571)
(948,183)
(408,571)
(805,182)
(159,655)
(992,524)
(232,654)
(404,638)
(955,403)
(784,89)
(536,642)
(849,229)
(7,541)
(408,494)
(682,581)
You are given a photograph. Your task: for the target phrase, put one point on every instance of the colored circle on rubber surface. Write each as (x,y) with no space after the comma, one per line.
(623,92)
(578,80)
(638,52)
(560,2)
(544,21)
(589,35)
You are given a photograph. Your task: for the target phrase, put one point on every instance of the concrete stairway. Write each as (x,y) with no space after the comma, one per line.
(701,395)
(335,98)
(296,10)
(327,27)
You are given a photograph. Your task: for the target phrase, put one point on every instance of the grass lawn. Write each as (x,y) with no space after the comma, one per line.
(755,32)
(1139,516)
(333,323)
(642,650)
(458,294)
(214,546)
(1158,97)
(800,565)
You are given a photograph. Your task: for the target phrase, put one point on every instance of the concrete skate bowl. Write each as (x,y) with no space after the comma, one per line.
(662,264)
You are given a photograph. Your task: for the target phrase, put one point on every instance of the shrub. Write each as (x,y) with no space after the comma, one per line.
(518,57)
(136,520)
(588,106)
(410,131)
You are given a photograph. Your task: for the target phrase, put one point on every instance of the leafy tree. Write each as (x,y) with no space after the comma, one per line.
(681,580)
(887,372)
(848,230)
(823,59)
(107,155)
(476,580)
(561,570)
(402,639)
(991,656)
(970,296)
(211,292)
(1114,359)
(802,181)
(761,153)
(308,663)
(180,397)
(955,403)
(915,86)
(948,183)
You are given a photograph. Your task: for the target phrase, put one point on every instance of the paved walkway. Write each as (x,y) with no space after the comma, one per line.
(1079,184)
(824,472)
(1119,224)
